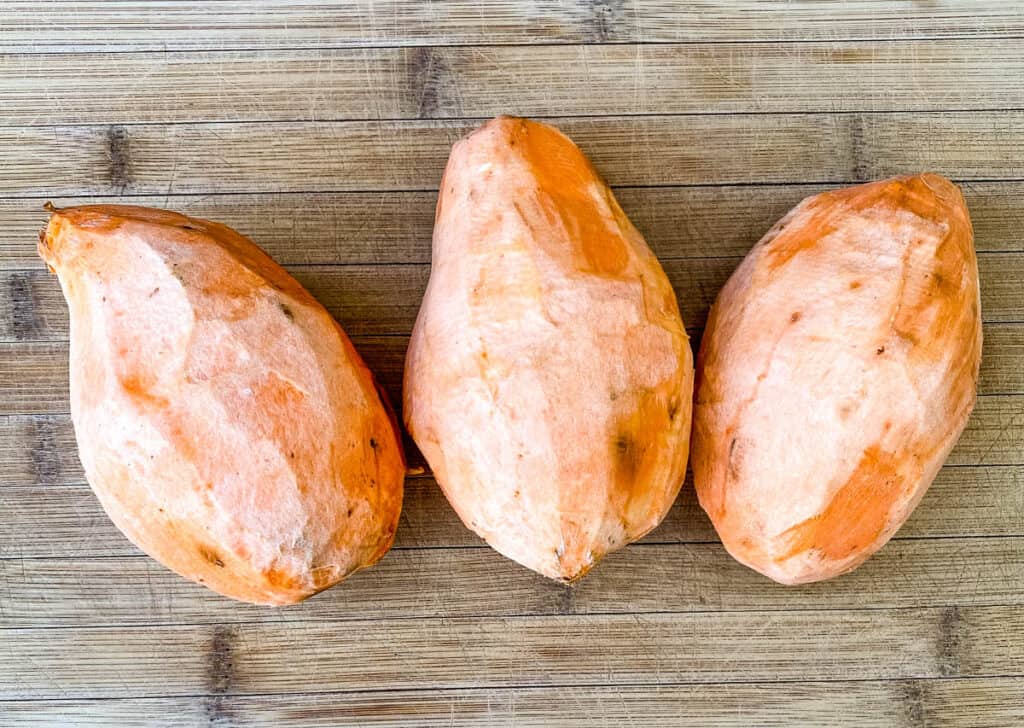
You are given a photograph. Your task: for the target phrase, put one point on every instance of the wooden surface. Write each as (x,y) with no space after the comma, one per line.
(320,129)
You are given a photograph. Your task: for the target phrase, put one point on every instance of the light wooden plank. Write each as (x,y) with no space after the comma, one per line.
(949,703)
(41,369)
(993,434)
(362,298)
(446,83)
(396,227)
(125,713)
(986,703)
(478,582)
(282,157)
(31,26)
(501,652)
(66,521)
(157,159)
(39,450)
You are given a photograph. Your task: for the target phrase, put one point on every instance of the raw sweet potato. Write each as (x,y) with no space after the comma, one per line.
(224,420)
(838,368)
(549,377)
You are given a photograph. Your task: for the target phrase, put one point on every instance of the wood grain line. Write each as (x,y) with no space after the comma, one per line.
(898,703)
(511,651)
(76,593)
(396,227)
(453,83)
(33,26)
(62,161)
(57,521)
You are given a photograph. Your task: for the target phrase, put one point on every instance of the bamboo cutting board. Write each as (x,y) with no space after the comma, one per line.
(320,129)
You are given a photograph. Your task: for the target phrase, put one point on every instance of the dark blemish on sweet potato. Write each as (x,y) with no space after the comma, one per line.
(880,350)
(211,556)
(794,317)
(854,285)
(286,310)
(733,459)
(673,408)
(628,457)
(373,443)
(279,579)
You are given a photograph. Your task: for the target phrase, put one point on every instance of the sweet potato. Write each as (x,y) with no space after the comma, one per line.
(837,370)
(549,377)
(224,420)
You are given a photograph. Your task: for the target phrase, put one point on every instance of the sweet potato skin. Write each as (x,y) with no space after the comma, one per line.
(549,377)
(223,418)
(838,368)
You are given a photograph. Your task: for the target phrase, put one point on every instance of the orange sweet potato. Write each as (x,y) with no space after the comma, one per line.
(224,420)
(549,377)
(838,368)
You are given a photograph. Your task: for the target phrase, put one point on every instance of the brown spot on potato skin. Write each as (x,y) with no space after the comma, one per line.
(635,447)
(323,577)
(279,579)
(211,556)
(627,456)
(733,459)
